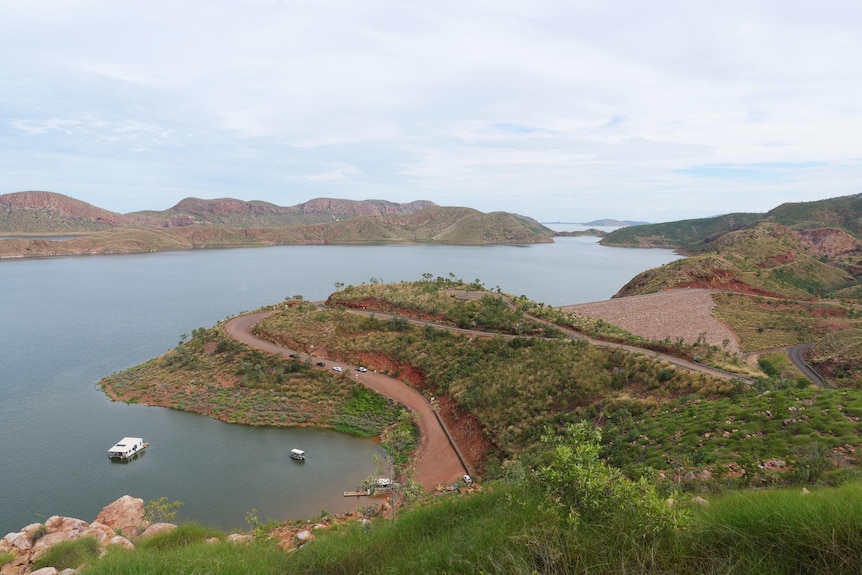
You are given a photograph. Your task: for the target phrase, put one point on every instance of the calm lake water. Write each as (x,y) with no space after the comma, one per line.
(67,322)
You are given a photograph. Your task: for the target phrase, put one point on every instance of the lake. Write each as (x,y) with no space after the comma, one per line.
(67,322)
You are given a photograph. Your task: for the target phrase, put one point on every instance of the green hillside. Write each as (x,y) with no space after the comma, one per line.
(766,258)
(687,236)
(697,235)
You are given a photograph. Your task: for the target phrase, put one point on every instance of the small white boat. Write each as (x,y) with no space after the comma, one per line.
(297,454)
(127,448)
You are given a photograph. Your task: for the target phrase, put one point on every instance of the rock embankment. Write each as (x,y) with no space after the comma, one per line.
(117,524)
(124,522)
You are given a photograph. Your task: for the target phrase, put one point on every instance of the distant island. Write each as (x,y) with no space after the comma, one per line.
(606,223)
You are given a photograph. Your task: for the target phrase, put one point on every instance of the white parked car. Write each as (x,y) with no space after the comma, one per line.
(337,368)
(362,369)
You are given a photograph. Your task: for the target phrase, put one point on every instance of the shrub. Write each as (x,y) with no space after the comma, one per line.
(160,511)
(588,492)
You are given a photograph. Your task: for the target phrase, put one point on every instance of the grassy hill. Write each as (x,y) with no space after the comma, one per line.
(801,250)
(797,253)
(695,236)
(768,259)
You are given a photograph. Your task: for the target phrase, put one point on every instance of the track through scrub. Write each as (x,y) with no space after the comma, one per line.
(437,460)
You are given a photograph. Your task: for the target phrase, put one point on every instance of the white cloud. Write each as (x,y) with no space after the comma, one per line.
(334,172)
(590,108)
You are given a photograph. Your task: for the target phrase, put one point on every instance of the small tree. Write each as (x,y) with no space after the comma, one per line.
(810,462)
(589,492)
(160,511)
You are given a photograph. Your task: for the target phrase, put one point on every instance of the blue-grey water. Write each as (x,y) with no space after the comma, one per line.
(67,322)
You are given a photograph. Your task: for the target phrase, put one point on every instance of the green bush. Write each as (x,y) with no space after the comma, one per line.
(589,492)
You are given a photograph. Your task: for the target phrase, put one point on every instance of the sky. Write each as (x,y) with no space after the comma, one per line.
(561,110)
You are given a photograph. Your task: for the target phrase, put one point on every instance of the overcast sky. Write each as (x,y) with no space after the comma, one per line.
(563,110)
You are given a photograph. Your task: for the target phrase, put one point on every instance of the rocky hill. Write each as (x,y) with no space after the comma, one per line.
(767,259)
(801,251)
(48,212)
(696,236)
(197,223)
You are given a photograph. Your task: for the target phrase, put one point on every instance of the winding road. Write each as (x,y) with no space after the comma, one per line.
(795,355)
(438,461)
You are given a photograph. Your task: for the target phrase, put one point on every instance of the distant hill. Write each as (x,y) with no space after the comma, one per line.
(610,223)
(48,212)
(196,223)
(579,233)
(694,236)
(802,251)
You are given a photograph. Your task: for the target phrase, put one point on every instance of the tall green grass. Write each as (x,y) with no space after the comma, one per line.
(781,531)
(492,532)
(69,554)
(512,528)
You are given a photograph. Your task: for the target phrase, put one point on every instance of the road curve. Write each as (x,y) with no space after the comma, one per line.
(795,355)
(437,460)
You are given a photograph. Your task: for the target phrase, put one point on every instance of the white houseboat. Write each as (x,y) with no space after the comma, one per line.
(127,447)
(297,454)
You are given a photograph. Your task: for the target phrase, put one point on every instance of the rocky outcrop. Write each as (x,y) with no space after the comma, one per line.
(829,242)
(123,522)
(125,515)
(115,525)
(48,212)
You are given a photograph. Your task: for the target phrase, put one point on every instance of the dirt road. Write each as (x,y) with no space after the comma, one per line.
(437,461)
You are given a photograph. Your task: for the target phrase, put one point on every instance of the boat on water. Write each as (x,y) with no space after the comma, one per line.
(127,448)
(297,454)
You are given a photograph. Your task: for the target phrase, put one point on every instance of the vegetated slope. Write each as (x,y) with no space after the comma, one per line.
(797,266)
(695,236)
(654,415)
(838,356)
(767,323)
(510,387)
(766,259)
(685,235)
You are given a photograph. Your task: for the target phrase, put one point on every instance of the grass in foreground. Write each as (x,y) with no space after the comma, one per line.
(512,528)
(781,531)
